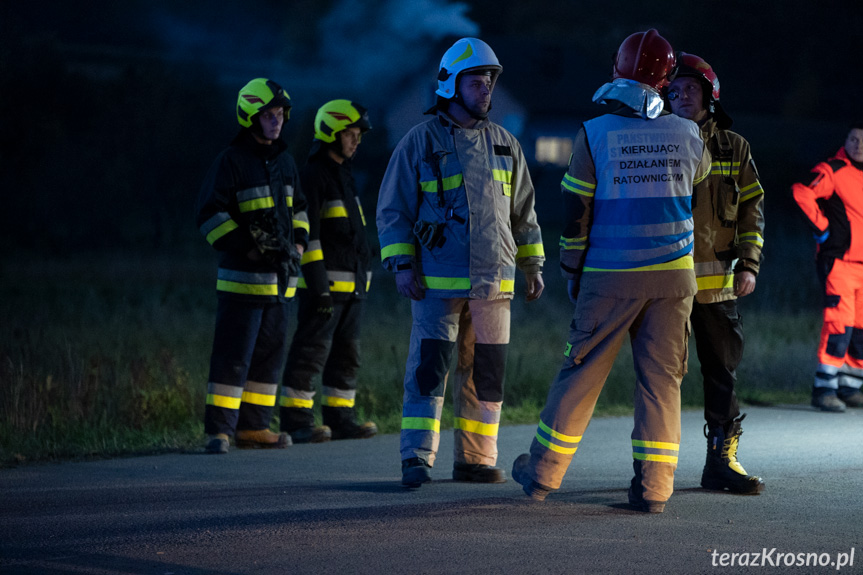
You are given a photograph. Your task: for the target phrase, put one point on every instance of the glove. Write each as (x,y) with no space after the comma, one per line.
(324,307)
(269,244)
(408,285)
(822,237)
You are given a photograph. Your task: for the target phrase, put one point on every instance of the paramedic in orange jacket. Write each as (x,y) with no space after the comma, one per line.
(833,204)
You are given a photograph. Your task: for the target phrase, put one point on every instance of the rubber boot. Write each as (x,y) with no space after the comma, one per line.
(722,471)
(261,439)
(415,472)
(343,422)
(477,473)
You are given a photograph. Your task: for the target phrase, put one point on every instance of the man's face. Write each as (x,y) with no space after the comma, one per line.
(686,97)
(475,92)
(350,139)
(271,122)
(854,145)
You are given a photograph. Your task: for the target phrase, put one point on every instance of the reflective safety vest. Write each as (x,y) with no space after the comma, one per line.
(642,215)
(467,193)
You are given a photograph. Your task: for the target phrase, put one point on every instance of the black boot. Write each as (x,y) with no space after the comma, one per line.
(722,470)
(343,422)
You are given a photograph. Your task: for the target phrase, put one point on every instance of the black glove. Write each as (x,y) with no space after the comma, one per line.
(324,306)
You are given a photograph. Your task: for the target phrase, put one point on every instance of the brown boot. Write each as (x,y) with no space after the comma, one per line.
(218,444)
(261,439)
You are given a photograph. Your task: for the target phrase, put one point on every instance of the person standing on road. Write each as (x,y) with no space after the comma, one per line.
(626,251)
(455,218)
(336,276)
(252,211)
(728,212)
(833,205)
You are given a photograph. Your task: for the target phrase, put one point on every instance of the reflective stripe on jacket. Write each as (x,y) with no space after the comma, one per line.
(249,180)
(728,210)
(338,259)
(473,184)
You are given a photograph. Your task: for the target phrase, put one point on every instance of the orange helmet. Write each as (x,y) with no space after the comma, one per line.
(645,57)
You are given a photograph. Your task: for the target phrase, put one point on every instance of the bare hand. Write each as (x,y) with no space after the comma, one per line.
(535,285)
(744,283)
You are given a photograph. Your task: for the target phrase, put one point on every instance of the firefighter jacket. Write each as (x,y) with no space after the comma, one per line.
(252,183)
(337,260)
(627,195)
(728,210)
(834,202)
(467,193)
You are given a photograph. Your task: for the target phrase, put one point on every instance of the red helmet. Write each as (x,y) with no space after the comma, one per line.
(695,67)
(645,57)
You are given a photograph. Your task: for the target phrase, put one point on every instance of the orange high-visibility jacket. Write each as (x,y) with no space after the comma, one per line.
(834,202)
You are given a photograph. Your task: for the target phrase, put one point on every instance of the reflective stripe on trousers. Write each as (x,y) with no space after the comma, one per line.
(659,333)
(479,330)
(248,355)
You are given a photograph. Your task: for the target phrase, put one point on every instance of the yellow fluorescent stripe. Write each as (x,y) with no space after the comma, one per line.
(398,250)
(294,402)
(259,399)
(755,184)
(655,444)
(336,212)
(557,448)
(684,263)
(529,250)
(223,401)
(577,190)
(653,457)
(312,256)
(577,182)
(301,283)
(221,230)
(715,282)
(445,283)
(289,201)
(450,183)
(477,427)
(342,286)
(558,435)
(256,204)
(421,424)
(249,289)
(504,176)
(291,292)
(507,285)
(301,225)
(331,401)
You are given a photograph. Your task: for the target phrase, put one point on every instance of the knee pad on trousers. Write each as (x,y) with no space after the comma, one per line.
(489,368)
(837,343)
(855,348)
(435,358)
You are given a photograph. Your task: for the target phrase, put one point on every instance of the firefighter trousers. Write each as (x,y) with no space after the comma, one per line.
(248,355)
(479,330)
(840,350)
(718,331)
(659,334)
(326,346)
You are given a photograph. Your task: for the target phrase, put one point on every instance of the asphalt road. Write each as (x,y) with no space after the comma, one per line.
(339,508)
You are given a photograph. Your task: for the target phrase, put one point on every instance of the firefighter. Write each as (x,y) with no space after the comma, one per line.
(833,205)
(626,251)
(252,211)
(455,218)
(728,212)
(335,278)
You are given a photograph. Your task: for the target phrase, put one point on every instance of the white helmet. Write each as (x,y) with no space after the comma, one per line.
(466,55)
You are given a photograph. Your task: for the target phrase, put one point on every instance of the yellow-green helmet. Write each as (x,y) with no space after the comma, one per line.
(258,95)
(336,115)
